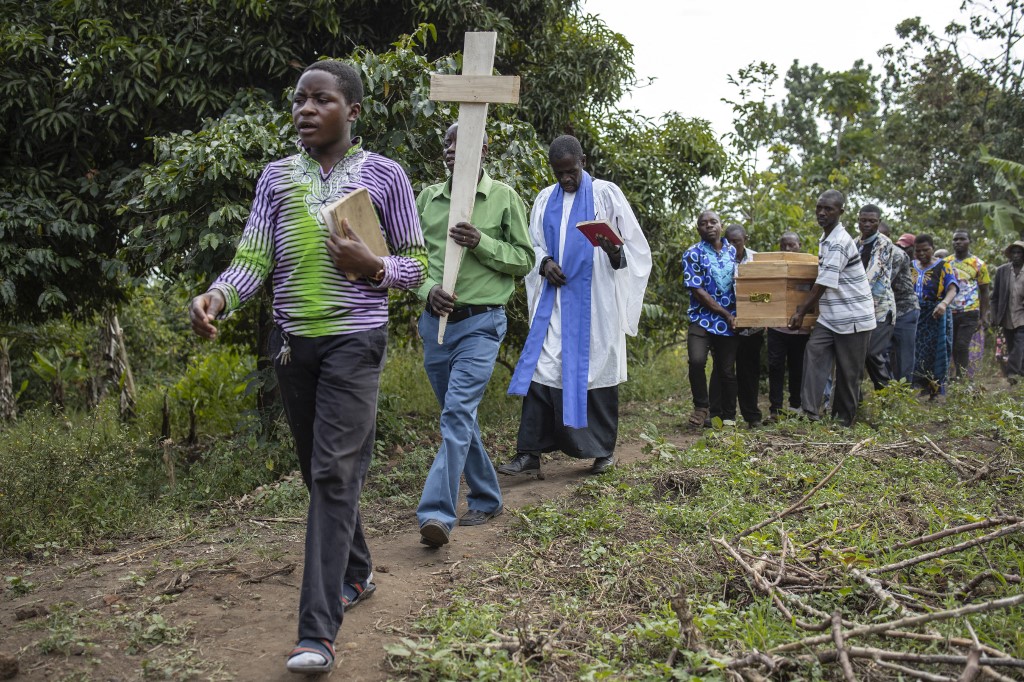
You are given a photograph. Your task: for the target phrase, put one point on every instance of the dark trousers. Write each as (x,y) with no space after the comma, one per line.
(877,362)
(847,353)
(1014,351)
(748,379)
(329,390)
(542,428)
(965,326)
(699,344)
(903,345)
(785,351)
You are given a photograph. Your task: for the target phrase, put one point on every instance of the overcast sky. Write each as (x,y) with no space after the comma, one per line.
(691,47)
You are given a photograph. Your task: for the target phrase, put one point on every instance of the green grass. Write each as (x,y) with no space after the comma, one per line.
(591,583)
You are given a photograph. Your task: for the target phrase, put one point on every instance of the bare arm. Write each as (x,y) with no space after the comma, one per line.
(813,296)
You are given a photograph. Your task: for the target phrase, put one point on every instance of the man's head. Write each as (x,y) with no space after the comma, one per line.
(327,101)
(868,220)
(451,139)
(709,226)
(737,236)
(883,227)
(789,241)
(828,209)
(567,159)
(1015,254)
(961,244)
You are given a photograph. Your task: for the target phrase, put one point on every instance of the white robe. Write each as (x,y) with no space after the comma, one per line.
(617,296)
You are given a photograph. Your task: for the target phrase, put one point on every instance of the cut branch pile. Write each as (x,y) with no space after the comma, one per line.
(892,609)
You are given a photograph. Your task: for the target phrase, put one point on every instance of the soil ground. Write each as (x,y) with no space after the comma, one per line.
(238,587)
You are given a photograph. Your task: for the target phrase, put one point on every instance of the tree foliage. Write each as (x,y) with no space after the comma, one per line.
(88,86)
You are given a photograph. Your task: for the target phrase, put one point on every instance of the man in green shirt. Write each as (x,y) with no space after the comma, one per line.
(498,248)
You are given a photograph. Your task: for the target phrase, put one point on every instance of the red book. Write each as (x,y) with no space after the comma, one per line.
(592,228)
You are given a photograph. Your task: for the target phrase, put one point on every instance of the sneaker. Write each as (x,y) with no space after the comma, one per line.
(433,533)
(522,463)
(475,517)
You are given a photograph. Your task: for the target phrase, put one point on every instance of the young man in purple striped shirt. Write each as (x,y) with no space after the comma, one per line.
(330,337)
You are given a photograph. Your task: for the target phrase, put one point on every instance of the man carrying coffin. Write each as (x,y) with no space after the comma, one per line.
(583,301)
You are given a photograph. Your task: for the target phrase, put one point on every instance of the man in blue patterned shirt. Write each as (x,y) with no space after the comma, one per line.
(709,268)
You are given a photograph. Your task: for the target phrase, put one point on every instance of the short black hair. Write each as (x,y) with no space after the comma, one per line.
(565,146)
(789,235)
(735,227)
(963,232)
(870,208)
(924,238)
(834,195)
(349,81)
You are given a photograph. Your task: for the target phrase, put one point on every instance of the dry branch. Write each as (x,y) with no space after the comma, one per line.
(837,637)
(977,525)
(972,668)
(914,672)
(876,587)
(983,607)
(830,656)
(284,570)
(949,550)
(799,503)
(955,463)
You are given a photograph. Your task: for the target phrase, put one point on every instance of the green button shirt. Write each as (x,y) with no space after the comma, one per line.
(487,275)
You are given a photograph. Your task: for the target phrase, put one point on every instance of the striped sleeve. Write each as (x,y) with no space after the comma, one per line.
(832,259)
(407,266)
(254,258)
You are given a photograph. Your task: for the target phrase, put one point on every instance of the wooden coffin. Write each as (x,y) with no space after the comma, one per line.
(769,288)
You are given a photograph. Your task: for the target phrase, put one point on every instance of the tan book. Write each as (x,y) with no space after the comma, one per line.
(362,219)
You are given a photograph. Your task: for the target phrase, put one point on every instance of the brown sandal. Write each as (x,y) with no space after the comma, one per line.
(699,415)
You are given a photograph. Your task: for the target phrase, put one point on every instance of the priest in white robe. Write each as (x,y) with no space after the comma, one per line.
(583,302)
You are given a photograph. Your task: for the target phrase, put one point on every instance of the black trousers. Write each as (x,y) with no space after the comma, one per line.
(748,380)
(965,326)
(329,389)
(699,344)
(785,351)
(541,428)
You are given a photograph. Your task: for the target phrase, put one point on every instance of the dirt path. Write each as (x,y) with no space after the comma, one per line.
(241,600)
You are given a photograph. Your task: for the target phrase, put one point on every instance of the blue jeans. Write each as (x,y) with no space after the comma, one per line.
(902,346)
(459,371)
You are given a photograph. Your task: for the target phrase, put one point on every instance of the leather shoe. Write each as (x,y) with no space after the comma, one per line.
(433,533)
(475,517)
(523,463)
(602,464)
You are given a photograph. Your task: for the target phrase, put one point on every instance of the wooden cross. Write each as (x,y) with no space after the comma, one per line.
(473,90)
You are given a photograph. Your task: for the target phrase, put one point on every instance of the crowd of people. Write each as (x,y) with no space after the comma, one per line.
(890,310)
(330,337)
(330,306)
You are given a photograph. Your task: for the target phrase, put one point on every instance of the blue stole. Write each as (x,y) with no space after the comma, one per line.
(578,265)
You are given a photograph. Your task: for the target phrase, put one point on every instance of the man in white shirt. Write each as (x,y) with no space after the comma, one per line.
(846,317)
(583,301)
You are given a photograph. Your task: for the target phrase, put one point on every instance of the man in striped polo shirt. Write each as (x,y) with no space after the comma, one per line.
(846,317)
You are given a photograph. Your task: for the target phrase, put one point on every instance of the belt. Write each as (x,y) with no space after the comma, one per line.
(461,313)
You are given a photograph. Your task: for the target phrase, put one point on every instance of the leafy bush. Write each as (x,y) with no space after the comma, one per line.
(68,481)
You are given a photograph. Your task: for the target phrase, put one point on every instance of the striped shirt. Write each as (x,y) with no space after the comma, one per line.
(847,306)
(285,237)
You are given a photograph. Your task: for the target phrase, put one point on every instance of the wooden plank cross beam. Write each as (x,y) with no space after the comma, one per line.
(473,90)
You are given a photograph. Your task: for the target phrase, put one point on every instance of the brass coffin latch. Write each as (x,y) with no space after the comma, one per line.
(761,298)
